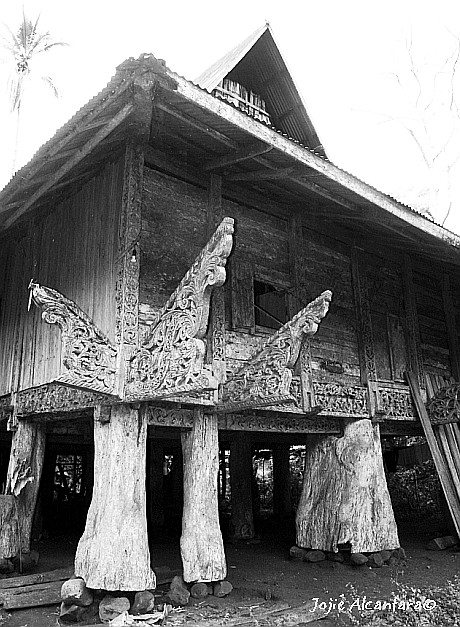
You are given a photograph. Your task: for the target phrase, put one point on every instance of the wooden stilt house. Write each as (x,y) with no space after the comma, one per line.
(180,265)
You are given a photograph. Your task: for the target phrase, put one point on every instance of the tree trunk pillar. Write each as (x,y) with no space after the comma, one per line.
(27,450)
(282,505)
(242,518)
(201,545)
(113,552)
(345,497)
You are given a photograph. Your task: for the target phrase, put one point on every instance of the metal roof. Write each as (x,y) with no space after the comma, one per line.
(185,123)
(257,64)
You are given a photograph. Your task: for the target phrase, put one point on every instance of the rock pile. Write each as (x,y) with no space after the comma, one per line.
(374,560)
(80,604)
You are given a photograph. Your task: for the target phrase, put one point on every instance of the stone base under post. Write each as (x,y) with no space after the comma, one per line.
(345,498)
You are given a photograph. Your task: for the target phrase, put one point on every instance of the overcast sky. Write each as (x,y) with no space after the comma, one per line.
(339,52)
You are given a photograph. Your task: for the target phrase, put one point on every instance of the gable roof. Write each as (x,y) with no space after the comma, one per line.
(257,64)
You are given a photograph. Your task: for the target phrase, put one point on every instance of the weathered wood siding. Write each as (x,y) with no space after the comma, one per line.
(432,321)
(173,233)
(326,265)
(72,249)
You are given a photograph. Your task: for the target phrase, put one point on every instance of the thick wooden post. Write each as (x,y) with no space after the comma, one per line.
(282,505)
(345,496)
(201,544)
(242,518)
(113,552)
(27,451)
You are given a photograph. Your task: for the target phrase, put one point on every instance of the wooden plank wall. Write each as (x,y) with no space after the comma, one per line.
(72,249)
(174,230)
(428,287)
(325,264)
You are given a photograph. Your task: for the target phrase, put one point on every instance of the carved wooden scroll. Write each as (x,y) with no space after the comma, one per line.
(89,357)
(170,360)
(266,378)
(444,407)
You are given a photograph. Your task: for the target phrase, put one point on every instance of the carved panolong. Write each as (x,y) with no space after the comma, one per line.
(266,378)
(89,357)
(170,360)
(444,407)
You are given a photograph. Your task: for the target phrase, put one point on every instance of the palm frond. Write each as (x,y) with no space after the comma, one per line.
(48,80)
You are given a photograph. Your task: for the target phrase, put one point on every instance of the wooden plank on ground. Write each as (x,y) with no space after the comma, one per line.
(280,615)
(60,574)
(442,465)
(37,595)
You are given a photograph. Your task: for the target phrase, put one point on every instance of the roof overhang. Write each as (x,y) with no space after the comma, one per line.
(201,129)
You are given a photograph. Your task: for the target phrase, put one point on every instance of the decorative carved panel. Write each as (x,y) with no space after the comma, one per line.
(266,378)
(444,407)
(279,424)
(400,427)
(338,399)
(183,418)
(89,357)
(170,360)
(57,398)
(5,407)
(161,417)
(127,289)
(396,404)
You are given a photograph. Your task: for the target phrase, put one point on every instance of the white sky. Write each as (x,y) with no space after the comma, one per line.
(339,53)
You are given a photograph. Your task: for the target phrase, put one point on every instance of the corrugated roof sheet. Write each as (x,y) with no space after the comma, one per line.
(257,64)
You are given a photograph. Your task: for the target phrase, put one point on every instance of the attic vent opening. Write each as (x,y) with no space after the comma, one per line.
(245,99)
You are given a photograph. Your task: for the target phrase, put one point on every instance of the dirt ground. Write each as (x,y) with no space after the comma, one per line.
(262,574)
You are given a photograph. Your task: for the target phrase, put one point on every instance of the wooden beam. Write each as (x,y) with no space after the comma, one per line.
(261,175)
(448,486)
(243,154)
(79,155)
(199,126)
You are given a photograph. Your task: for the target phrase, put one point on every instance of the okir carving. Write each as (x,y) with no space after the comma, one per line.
(170,360)
(89,357)
(444,407)
(266,378)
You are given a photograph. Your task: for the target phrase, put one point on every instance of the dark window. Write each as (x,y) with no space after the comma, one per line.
(270,308)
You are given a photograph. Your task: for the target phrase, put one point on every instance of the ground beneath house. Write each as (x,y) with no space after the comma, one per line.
(262,574)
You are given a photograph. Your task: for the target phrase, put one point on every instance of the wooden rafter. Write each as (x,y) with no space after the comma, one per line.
(200,126)
(243,154)
(261,175)
(79,155)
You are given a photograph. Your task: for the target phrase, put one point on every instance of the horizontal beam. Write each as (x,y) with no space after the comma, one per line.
(243,154)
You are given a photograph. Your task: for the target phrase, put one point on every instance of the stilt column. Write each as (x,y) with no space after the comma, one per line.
(345,497)
(17,512)
(202,548)
(113,552)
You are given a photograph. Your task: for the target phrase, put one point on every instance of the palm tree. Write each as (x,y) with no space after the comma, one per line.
(22,47)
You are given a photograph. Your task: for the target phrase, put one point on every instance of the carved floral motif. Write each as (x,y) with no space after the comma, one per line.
(341,400)
(396,404)
(88,355)
(170,360)
(266,378)
(56,398)
(444,407)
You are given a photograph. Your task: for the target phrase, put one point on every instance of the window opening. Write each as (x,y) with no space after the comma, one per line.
(270,307)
